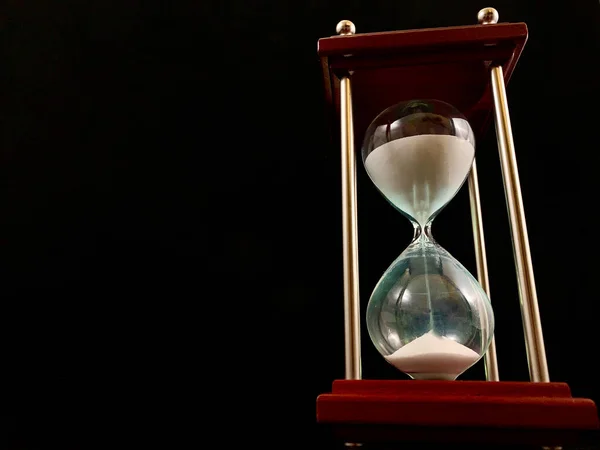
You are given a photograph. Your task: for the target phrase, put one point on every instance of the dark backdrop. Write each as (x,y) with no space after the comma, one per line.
(171,244)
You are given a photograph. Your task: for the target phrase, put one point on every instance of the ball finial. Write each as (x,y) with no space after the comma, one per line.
(487,16)
(345,28)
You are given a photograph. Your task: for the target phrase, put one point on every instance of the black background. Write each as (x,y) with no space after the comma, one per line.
(171,244)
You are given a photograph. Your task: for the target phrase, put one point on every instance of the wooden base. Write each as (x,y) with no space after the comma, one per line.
(470,412)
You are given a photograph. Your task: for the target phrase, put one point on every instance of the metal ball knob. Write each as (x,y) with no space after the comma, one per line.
(488,16)
(345,28)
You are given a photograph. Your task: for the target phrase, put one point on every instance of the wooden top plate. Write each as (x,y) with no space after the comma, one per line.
(449,64)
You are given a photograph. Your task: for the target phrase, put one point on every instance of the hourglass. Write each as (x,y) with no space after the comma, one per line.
(428,316)
(418,100)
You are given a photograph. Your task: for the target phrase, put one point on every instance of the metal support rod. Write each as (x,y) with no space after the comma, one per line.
(350,235)
(490,359)
(534,339)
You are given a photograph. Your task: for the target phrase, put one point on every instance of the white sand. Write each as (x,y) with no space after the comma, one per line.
(420,174)
(431,357)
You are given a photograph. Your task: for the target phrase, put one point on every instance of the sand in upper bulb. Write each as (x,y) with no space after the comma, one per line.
(420,174)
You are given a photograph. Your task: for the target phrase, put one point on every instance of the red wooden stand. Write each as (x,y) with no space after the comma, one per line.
(470,412)
(452,65)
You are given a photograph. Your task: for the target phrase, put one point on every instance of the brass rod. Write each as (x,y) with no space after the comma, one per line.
(534,339)
(490,359)
(350,235)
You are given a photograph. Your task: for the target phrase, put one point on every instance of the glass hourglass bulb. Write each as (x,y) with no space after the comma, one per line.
(427,315)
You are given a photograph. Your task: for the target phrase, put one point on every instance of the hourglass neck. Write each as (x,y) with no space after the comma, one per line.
(422,234)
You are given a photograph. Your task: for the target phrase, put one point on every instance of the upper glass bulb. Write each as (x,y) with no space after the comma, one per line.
(428,316)
(418,154)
